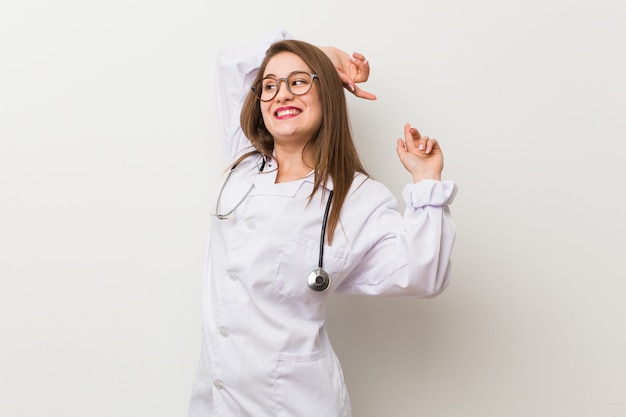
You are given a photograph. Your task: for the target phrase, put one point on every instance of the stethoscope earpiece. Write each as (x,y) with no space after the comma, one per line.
(318,280)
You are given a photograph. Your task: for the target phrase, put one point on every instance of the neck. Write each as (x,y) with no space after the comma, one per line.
(293,163)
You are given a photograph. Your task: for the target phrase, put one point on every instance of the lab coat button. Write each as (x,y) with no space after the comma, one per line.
(233,276)
(224,332)
(218,384)
(251,225)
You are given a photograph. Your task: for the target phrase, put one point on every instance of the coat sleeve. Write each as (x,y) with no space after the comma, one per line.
(236,68)
(395,255)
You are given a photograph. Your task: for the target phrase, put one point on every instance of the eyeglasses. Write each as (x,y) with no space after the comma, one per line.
(298,83)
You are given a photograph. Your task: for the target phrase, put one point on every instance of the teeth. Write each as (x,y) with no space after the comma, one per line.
(287,112)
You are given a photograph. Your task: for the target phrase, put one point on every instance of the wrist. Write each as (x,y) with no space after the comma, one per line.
(331,53)
(420,176)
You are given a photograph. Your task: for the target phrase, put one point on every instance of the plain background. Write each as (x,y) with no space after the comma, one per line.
(109,164)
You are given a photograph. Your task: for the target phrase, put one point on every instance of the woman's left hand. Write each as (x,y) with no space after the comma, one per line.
(352,69)
(420,155)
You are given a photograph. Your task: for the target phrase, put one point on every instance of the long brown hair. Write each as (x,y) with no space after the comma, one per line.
(334,153)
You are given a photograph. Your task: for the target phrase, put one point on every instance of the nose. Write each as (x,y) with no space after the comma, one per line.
(282,92)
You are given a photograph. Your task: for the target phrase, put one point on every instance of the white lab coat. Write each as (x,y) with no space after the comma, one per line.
(265,349)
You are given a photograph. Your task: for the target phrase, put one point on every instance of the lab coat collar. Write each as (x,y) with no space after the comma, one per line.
(265,181)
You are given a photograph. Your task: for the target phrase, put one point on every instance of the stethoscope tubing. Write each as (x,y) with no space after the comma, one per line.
(318,279)
(323,236)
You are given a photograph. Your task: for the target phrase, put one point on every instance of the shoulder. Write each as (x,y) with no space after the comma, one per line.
(364,184)
(369,212)
(367,193)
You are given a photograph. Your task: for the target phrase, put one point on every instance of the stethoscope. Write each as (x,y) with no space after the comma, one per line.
(318,279)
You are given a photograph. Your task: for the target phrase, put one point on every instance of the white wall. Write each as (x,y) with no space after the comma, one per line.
(109,161)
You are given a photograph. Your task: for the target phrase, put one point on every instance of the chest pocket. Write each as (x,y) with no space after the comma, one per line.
(299,258)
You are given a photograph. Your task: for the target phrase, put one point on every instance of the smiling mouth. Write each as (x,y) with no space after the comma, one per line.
(288,112)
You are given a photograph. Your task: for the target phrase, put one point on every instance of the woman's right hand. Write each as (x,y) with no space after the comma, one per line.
(352,69)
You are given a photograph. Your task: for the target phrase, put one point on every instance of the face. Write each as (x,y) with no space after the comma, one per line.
(291,119)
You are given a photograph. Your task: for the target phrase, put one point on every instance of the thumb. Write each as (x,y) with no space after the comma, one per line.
(400,148)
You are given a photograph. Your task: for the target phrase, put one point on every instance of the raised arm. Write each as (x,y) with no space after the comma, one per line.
(399,255)
(404,256)
(235,70)
(238,66)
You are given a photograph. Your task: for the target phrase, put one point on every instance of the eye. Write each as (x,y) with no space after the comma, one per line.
(269,85)
(299,80)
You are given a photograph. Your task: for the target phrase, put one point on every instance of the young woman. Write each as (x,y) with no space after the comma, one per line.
(298,219)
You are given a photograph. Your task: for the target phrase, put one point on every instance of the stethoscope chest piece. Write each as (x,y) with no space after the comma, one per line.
(318,280)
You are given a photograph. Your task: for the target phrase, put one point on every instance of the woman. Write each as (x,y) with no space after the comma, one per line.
(298,219)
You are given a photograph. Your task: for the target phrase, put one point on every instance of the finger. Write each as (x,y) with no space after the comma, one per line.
(424,143)
(360,57)
(431,144)
(411,135)
(353,88)
(400,147)
(362,72)
(347,81)
(363,94)
(360,61)
(416,133)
